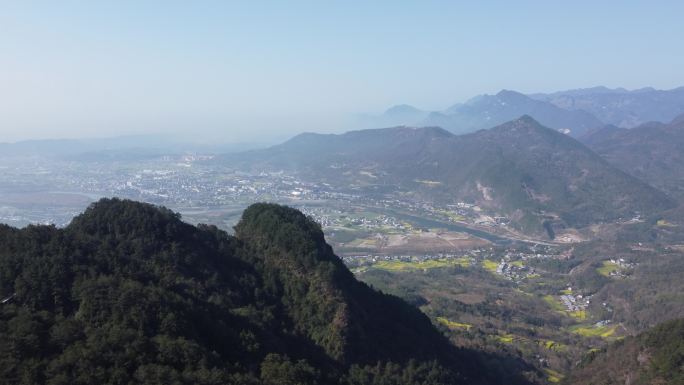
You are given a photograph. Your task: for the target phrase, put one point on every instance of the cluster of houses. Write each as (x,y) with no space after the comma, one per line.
(622,269)
(574,302)
(621,263)
(328,217)
(514,271)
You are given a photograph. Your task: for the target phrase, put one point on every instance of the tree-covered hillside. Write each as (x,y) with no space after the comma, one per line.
(130,294)
(653,357)
(652,152)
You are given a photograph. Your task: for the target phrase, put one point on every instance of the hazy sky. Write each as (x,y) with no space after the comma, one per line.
(243,71)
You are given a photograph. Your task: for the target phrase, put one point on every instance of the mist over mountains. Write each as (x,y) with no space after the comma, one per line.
(573,111)
(122,147)
(577,112)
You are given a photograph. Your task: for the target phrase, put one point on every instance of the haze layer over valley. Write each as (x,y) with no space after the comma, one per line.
(343,193)
(517,239)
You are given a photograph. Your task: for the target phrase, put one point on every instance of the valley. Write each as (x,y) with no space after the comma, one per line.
(484,283)
(518,266)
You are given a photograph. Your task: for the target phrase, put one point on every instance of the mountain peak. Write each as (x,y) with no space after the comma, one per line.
(505,92)
(398,132)
(527,119)
(402,109)
(524,122)
(291,250)
(401,114)
(261,221)
(434,131)
(125,217)
(511,95)
(527,132)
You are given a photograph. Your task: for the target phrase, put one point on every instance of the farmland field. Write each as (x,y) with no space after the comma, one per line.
(396,265)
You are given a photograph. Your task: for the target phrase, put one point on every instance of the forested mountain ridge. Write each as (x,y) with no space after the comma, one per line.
(653,152)
(128,293)
(522,169)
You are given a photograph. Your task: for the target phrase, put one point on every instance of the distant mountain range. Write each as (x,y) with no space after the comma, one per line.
(621,107)
(573,112)
(653,152)
(491,110)
(530,172)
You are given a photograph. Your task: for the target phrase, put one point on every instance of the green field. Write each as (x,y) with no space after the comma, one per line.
(664,223)
(453,324)
(452,215)
(463,261)
(579,314)
(554,303)
(490,265)
(594,331)
(607,268)
(547,344)
(553,376)
(403,266)
(553,345)
(506,338)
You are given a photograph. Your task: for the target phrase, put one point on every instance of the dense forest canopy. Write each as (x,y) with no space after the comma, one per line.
(130,294)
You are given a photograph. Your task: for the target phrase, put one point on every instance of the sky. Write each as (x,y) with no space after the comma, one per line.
(252,71)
